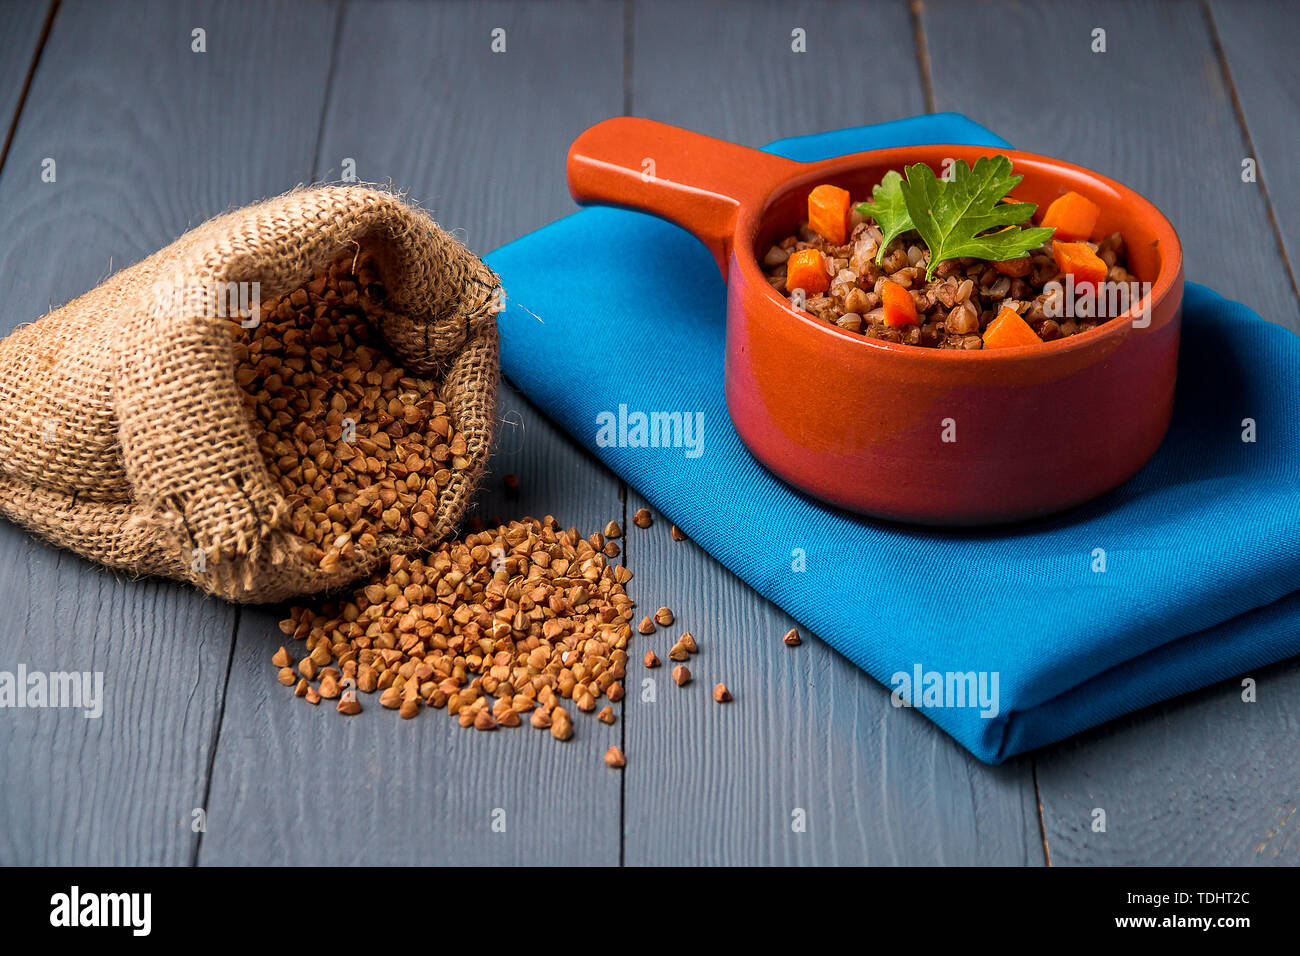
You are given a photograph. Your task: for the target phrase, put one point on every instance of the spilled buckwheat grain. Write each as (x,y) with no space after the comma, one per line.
(528,613)
(499,627)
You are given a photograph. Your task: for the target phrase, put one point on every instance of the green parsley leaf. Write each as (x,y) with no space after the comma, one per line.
(889,209)
(955,218)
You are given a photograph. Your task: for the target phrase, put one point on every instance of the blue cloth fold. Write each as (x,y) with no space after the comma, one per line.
(1201,548)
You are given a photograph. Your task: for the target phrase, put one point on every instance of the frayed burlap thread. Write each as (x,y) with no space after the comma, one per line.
(125,436)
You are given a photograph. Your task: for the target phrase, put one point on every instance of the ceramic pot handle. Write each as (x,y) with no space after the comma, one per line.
(695,181)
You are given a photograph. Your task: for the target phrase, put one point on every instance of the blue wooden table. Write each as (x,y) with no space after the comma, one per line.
(150,135)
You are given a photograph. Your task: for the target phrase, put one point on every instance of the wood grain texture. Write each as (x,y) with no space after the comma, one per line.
(728,69)
(118,789)
(1153,111)
(148,138)
(807,731)
(1258,42)
(20,34)
(1206,778)
(480,138)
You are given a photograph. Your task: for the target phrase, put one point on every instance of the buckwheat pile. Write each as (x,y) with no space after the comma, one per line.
(523,622)
(358,446)
(517,622)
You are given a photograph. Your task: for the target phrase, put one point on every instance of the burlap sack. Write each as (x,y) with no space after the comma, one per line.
(122,430)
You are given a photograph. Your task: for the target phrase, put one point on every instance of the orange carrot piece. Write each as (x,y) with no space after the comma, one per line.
(1072,216)
(1076,259)
(1016,268)
(1008,329)
(806,269)
(900,307)
(828,213)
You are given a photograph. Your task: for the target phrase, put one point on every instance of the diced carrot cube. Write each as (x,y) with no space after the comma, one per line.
(1072,216)
(1076,259)
(828,213)
(1008,329)
(899,306)
(806,269)
(1016,268)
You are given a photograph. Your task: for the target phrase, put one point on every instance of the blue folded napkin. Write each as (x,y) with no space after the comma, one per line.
(1186,575)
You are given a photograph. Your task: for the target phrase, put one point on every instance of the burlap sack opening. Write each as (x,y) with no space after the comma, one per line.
(124,434)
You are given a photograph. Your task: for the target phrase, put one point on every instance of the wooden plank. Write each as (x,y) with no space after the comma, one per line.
(478,138)
(1153,111)
(148,138)
(1257,40)
(807,731)
(21,25)
(1206,778)
(481,139)
(728,68)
